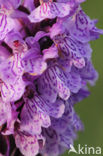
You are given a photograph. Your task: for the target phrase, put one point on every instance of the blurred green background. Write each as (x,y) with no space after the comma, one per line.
(90,110)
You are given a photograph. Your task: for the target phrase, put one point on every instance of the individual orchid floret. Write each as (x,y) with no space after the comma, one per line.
(80,27)
(32,118)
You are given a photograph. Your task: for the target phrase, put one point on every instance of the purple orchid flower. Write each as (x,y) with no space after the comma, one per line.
(45,66)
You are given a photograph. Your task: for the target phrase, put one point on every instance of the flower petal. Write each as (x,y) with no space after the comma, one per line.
(32,120)
(53,109)
(14,91)
(55,81)
(28,145)
(49,10)
(50,53)
(69,46)
(29,4)
(33,63)
(82,28)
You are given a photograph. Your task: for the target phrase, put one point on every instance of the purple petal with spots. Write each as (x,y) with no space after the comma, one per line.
(28,145)
(55,109)
(82,28)
(13,92)
(49,10)
(32,120)
(57,83)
